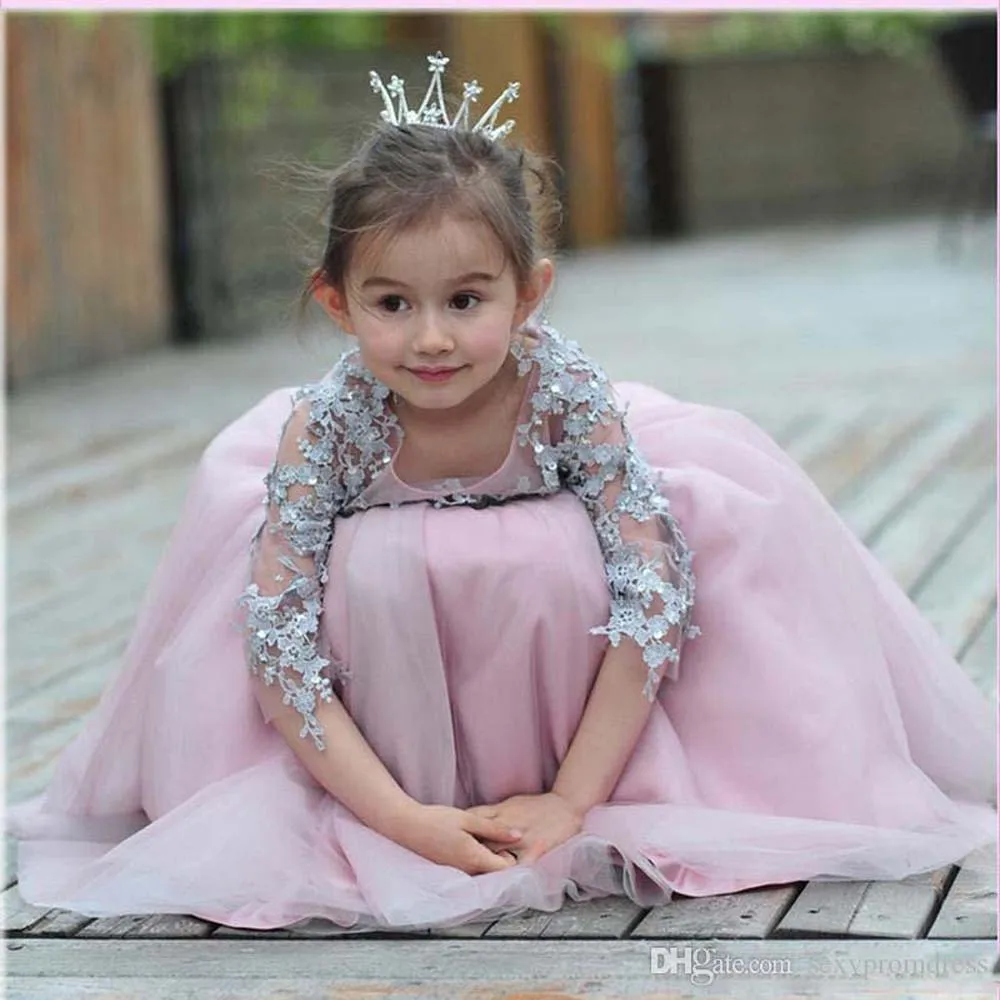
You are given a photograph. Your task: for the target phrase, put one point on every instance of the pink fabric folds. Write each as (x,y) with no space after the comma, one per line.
(816,729)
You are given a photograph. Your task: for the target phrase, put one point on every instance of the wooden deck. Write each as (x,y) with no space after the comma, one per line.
(908,461)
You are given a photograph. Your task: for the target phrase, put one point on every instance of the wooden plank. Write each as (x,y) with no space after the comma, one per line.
(484,968)
(56,704)
(530,924)
(979,658)
(28,777)
(326,929)
(137,505)
(969,909)
(59,924)
(82,635)
(17,914)
(39,454)
(962,590)
(47,592)
(608,918)
(894,910)
(153,926)
(287,987)
(105,477)
(787,429)
(844,469)
(867,511)
(751,914)
(85,550)
(223,933)
(171,925)
(851,908)
(834,426)
(113,927)
(927,529)
(321,929)
(472,930)
(822,909)
(901,909)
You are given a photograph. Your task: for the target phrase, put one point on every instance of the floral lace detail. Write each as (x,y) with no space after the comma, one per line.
(345,440)
(648,561)
(342,434)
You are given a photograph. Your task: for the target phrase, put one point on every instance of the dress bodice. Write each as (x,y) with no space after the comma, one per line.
(516,476)
(336,458)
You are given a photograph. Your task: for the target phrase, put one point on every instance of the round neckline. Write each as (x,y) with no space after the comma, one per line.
(469,482)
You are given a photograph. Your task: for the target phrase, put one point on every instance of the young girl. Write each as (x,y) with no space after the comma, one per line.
(466,668)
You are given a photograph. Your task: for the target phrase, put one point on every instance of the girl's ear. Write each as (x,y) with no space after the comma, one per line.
(534,291)
(334,303)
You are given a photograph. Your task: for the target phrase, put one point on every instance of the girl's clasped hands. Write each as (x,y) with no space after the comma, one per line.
(488,838)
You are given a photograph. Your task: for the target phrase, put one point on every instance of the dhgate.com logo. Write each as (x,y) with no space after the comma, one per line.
(701,964)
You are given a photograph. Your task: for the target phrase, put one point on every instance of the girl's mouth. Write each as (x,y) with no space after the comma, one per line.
(434,374)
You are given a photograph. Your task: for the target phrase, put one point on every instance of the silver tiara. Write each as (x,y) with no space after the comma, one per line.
(432,110)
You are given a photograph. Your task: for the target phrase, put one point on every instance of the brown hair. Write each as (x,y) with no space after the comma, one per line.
(404,175)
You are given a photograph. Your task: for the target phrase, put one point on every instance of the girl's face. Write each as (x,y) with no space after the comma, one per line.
(434,310)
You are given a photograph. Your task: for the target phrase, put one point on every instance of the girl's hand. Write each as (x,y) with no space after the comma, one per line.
(455,837)
(545,821)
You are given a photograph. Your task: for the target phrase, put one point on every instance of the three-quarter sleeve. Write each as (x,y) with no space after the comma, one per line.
(283,602)
(648,562)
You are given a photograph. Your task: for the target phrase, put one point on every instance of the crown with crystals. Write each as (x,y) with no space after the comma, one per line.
(432,110)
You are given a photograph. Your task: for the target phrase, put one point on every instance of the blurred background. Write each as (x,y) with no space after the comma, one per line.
(147,204)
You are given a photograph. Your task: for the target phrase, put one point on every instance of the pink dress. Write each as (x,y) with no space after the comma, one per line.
(816,728)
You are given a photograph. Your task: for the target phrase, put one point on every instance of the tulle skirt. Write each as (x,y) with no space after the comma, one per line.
(818,728)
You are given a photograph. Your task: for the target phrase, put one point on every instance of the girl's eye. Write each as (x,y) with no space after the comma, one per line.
(465,301)
(392,303)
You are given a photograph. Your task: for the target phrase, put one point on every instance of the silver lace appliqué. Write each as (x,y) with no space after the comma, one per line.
(652,584)
(351,432)
(347,442)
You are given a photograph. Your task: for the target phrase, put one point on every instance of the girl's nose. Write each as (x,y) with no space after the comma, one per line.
(432,338)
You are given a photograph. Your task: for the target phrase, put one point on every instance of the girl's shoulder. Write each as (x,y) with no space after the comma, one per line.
(570,383)
(348,399)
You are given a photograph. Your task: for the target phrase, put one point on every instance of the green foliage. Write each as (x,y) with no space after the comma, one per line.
(179,39)
(896,33)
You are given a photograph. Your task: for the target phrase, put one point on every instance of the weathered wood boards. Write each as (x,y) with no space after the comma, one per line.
(480,969)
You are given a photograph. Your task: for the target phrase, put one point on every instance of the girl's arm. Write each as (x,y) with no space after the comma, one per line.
(652,595)
(612,722)
(350,771)
(651,583)
(347,767)
(650,580)
(292,681)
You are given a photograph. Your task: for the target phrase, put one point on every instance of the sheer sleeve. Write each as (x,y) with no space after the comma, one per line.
(283,602)
(648,562)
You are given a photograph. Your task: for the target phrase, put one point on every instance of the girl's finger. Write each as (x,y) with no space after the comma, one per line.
(496,846)
(490,829)
(484,812)
(487,861)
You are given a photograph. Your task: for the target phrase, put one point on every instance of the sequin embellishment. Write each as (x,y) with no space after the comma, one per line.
(579,441)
